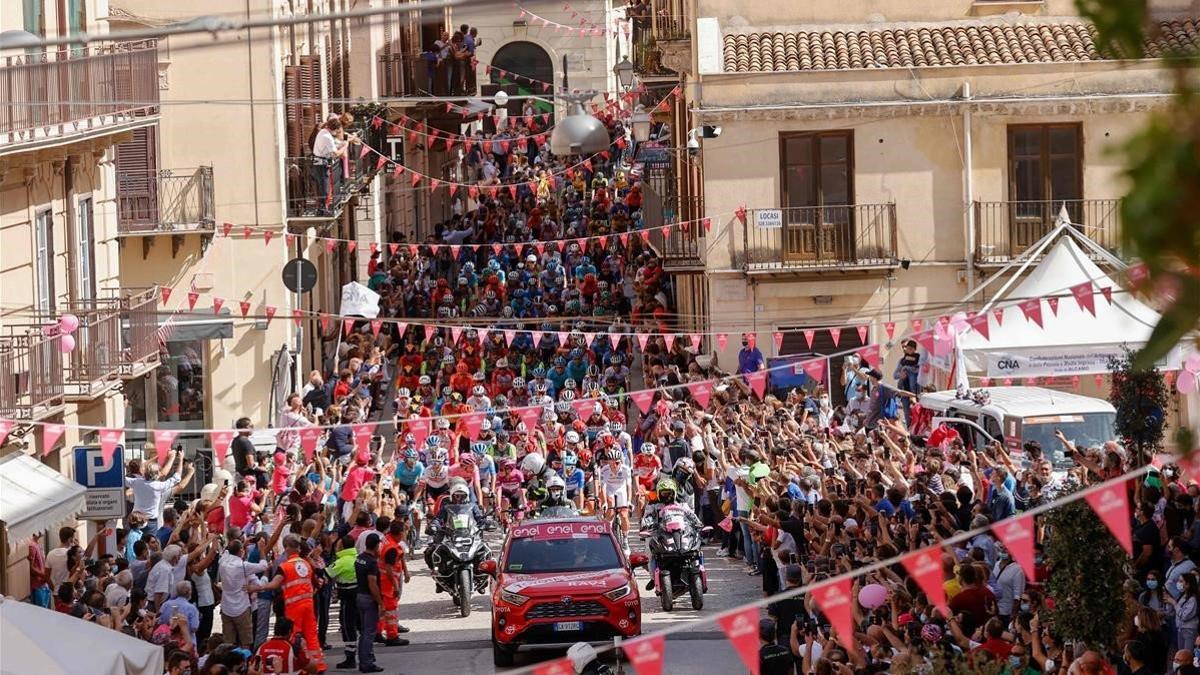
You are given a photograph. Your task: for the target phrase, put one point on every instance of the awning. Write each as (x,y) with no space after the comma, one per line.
(188,326)
(37,640)
(34,497)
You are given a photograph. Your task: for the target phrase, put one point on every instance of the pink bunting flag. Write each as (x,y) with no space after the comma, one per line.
(192,297)
(537,338)
(815,369)
(925,339)
(701,392)
(347,326)
(985,381)
(419,428)
(980,323)
(1017,536)
(890,329)
(474,422)
(308,441)
(643,399)
(1111,503)
(509,336)
(836,602)
(1107,293)
(642,339)
(808,337)
(217,302)
(1052,303)
(326,322)
(51,432)
(583,407)
(267,234)
(270,312)
(530,417)
(646,654)
(376,326)
(362,436)
(1032,308)
(741,628)
(109,440)
(777,336)
(455,333)
(244,305)
(297,316)
(220,444)
(836,334)
(165,292)
(163,440)
(862,334)
(722,340)
(226,228)
(758,382)
(870,355)
(247,232)
(393,248)
(1084,296)
(925,566)
(1137,274)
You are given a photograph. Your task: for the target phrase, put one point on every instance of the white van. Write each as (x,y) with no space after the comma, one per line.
(1017,415)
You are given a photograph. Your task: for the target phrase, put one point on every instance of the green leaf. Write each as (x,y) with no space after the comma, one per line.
(1176,322)
(1119,26)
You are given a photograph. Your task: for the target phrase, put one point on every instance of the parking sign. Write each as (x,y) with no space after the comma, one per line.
(105,482)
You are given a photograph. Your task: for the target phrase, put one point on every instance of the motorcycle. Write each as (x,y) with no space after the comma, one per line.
(454,560)
(674,544)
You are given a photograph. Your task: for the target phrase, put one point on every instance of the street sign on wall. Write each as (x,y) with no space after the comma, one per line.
(105,482)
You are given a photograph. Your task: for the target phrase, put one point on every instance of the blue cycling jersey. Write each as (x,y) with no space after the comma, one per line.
(409,476)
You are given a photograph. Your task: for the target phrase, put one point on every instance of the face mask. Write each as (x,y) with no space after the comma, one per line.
(922,617)
(1025,606)
(1152,584)
(1014,662)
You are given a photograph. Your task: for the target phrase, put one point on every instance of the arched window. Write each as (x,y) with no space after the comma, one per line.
(529,61)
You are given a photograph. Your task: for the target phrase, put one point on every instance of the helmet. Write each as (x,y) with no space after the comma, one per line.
(459,492)
(685,464)
(615,428)
(533,463)
(424,381)
(466,459)
(431,442)
(555,481)
(572,437)
(501,362)
(569,383)
(518,383)
(539,372)
(485,425)
(404,393)
(568,395)
(479,390)
(569,459)
(443,423)
(410,453)
(439,456)
(647,449)
(479,447)
(507,464)
(666,489)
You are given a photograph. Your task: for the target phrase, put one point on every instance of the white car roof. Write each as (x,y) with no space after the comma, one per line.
(1022,402)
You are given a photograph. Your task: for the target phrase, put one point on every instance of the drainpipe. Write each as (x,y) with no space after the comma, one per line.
(968,187)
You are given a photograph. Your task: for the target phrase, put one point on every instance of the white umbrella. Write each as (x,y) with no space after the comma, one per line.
(38,640)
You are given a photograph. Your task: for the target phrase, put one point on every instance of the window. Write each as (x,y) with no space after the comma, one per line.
(818,189)
(77,23)
(1045,170)
(180,382)
(85,254)
(43,261)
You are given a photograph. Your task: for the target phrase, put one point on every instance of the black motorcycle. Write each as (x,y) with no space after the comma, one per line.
(454,556)
(674,544)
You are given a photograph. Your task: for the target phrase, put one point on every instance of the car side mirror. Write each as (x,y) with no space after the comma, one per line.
(638,560)
(488,567)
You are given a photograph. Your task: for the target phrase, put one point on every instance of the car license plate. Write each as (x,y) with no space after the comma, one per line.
(563,626)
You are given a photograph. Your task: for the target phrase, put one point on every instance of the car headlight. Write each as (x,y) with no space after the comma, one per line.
(618,593)
(515,598)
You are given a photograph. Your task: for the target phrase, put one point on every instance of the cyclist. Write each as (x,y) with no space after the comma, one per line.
(487,471)
(511,483)
(466,469)
(573,477)
(613,478)
(646,466)
(436,480)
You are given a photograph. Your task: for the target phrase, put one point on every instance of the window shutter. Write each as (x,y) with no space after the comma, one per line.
(292,111)
(137,184)
(310,92)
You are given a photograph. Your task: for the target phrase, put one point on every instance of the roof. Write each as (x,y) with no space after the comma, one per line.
(1027,401)
(959,43)
(34,497)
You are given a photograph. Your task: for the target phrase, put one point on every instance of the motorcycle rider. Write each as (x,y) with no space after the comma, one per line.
(460,496)
(585,661)
(556,496)
(667,491)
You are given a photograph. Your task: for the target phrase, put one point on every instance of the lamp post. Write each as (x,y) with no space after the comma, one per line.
(624,73)
(578,133)
(641,124)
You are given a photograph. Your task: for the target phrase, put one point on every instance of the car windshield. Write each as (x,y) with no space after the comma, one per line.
(574,554)
(1086,430)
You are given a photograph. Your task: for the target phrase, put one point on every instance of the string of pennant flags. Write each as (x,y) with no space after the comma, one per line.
(701,392)
(584,27)
(834,597)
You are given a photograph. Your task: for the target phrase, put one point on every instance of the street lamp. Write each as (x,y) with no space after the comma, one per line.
(578,133)
(641,124)
(501,98)
(624,73)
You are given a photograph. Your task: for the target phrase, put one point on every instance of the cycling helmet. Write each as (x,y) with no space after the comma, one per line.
(410,453)
(610,455)
(479,447)
(569,383)
(647,449)
(443,423)
(570,459)
(424,381)
(615,428)
(554,482)
(501,362)
(448,360)
(500,402)
(485,425)
(533,463)
(507,464)
(459,492)
(431,442)
(563,406)
(478,376)
(439,456)
(521,428)
(404,393)
(568,395)
(539,372)
(572,437)
(518,383)
(666,489)
(479,390)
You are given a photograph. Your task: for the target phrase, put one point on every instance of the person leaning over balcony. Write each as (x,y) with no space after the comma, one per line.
(327,152)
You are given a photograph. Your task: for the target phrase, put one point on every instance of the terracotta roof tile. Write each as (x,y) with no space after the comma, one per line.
(950,45)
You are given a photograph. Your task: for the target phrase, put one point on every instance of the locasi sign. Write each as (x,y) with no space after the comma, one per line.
(556,530)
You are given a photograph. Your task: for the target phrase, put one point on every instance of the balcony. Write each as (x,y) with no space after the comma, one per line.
(683,248)
(321,192)
(31,375)
(1005,230)
(661,41)
(413,76)
(167,201)
(818,239)
(52,98)
(116,340)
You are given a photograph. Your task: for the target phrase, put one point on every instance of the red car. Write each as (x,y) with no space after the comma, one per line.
(562,581)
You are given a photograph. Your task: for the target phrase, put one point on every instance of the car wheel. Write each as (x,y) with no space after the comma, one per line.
(502,657)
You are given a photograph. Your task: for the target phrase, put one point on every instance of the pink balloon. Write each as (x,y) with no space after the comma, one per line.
(1186,382)
(872,596)
(67,344)
(67,323)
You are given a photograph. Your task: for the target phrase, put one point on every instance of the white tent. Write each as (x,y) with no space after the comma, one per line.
(38,640)
(1071,342)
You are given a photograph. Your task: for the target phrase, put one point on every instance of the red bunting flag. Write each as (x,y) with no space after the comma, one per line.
(326,322)
(562,666)
(980,323)
(165,292)
(416,178)
(380,162)
(741,214)
(1107,293)
(163,439)
(925,339)
(1075,382)
(815,369)
(330,244)
(267,234)
(217,302)
(646,654)
(290,239)
(862,334)
(998,313)
(1052,302)
(808,337)
(433,184)
(108,441)
(1111,503)
(836,602)
(351,246)
(297,316)
(270,312)
(707,224)
(220,444)
(347,326)
(393,248)
(985,381)
(398,170)
(777,336)
(836,334)
(192,297)
(758,382)
(925,566)
(362,436)
(51,432)
(226,228)
(890,329)
(643,399)
(247,232)
(376,326)
(870,355)
(1032,308)
(309,436)
(419,428)
(741,628)
(701,392)
(1017,536)
(1084,296)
